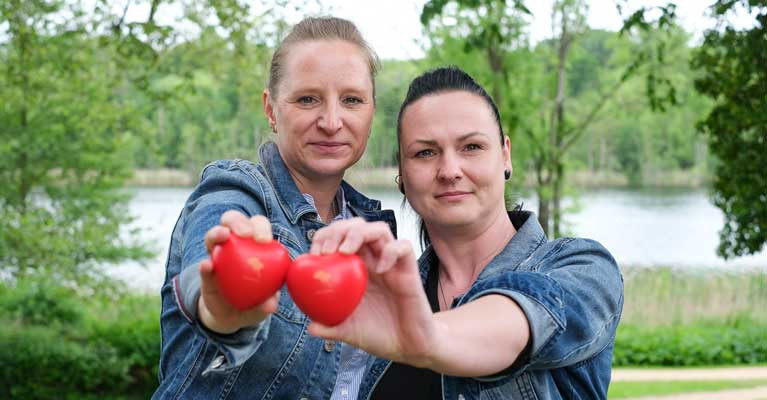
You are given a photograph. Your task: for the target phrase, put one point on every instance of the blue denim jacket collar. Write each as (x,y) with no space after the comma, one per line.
(290,198)
(529,237)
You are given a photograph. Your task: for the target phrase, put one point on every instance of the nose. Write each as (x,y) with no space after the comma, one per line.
(330,118)
(449,167)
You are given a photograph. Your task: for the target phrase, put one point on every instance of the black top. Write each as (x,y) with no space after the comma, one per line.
(402,381)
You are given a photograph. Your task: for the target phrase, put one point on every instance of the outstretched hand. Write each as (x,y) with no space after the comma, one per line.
(394,319)
(214,311)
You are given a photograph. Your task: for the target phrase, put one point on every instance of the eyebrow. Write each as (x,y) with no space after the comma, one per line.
(460,138)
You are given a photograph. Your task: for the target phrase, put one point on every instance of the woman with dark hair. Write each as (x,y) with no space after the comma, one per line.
(320,102)
(492,309)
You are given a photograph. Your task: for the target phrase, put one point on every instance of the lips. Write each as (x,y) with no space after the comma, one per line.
(452,194)
(327,144)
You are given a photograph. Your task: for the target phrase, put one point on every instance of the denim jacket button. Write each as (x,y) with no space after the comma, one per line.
(217,362)
(310,234)
(329,345)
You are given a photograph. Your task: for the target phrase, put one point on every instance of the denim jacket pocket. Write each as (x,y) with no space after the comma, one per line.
(193,364)
(520,387)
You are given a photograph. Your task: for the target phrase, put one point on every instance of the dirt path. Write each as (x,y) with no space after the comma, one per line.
(689,374)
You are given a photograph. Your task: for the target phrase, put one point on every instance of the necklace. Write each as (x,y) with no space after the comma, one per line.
(476,274)
(439,283)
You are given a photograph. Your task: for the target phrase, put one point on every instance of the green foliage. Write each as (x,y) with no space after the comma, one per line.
(573,101)
(35,302)
(660,296)
(734,76)
(743,341)
(68,345)
(692,317)
(63,147)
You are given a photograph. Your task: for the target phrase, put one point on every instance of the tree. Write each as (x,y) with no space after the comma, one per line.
(733,64)
(63,147)
(537,105)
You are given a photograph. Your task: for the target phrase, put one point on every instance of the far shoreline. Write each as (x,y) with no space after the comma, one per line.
(383,178)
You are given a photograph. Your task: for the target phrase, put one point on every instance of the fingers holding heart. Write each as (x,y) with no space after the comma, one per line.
(216,235)
(237,222)
(262,228)
(351,236)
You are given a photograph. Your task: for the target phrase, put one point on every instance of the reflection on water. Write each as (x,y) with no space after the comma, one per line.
(673,227)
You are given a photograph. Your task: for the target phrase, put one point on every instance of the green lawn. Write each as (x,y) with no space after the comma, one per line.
(620,390)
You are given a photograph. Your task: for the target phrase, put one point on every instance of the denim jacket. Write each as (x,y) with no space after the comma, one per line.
(277,359)
(571,291)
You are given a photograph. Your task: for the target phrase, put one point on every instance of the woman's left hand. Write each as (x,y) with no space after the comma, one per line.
(394,319)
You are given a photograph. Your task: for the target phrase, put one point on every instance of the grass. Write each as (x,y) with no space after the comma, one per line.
(663,296)
(619,390)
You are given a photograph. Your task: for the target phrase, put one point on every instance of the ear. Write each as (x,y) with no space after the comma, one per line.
(507,153)
(269,109)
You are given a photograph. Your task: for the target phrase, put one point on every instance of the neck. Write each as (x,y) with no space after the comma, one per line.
(464,252)
(323,191)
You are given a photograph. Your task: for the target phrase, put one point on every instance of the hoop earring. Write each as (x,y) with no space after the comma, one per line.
(507,174)
(400,186)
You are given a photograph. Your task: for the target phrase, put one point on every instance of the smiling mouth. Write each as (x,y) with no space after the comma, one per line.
(327,146)
(451,195)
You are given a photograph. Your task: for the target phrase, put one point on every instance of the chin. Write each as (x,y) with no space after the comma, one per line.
(331,167)
(454,219)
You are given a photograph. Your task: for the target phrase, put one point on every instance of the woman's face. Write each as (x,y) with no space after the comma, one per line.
(323,110)
(452,160)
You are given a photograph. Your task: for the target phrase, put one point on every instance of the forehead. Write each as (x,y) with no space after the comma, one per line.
(447,115)
(322,62)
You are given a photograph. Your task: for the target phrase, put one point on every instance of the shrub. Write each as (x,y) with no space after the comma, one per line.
(742,341)
(58,344)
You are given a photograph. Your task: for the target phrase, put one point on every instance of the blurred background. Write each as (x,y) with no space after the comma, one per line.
(641,124)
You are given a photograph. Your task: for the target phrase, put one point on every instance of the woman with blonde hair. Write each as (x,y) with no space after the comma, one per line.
(320,102)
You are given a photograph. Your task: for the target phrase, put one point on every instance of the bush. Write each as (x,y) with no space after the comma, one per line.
(741,341)
(58,344)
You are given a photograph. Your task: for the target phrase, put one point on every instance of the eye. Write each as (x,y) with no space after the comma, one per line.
(353,100)
(473,147)
(424,153)
(306,100)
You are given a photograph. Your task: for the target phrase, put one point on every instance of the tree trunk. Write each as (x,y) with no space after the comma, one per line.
(22,163)
(544,208)
(556,127)
(556,199)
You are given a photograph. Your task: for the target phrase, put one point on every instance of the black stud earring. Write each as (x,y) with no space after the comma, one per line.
(507,174)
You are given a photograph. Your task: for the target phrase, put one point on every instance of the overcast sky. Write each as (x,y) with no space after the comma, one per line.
(393,27)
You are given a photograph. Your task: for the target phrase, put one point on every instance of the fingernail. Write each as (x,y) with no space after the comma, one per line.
(242,231)
(259,237)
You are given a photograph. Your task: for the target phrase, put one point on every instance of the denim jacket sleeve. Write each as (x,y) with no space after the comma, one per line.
(218,192)
(572,295)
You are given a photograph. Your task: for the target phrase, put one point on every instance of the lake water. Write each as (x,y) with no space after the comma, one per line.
(676,227)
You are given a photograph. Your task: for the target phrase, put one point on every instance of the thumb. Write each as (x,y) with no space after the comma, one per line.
(207,280)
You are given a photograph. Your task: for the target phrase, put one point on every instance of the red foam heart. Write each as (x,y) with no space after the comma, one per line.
(327,287)
(248,272)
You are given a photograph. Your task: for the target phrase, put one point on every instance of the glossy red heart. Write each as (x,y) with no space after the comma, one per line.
(327,287)
(248,272)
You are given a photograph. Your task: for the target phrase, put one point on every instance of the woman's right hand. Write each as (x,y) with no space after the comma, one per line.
(212,308)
